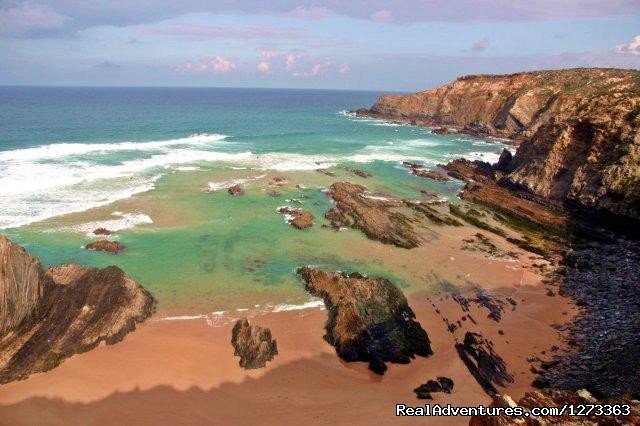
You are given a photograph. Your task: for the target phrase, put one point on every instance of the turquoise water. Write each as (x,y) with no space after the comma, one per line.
(145,162)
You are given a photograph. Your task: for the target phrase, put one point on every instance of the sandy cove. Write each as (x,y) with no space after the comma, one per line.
(184,372)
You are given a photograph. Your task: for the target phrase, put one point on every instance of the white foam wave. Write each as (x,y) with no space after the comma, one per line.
(55,182)
(216,186)
(61,150)
(284,307)
(124,221)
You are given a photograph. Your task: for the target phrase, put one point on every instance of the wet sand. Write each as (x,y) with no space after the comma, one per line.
(184,372)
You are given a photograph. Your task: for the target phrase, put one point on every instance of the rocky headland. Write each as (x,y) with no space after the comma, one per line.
(369,318)
(571,190)
(577,130)
(49,315)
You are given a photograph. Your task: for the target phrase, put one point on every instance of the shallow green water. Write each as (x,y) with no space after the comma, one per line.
(201,251)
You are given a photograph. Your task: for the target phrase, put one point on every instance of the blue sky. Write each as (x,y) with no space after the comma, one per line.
(402,45)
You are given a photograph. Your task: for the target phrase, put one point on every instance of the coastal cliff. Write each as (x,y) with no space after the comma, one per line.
(47,316)
(577,130)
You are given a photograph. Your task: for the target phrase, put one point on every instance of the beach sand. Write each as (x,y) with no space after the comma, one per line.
(184,371)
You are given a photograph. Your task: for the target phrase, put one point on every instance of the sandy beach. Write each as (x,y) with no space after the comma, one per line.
(184,371)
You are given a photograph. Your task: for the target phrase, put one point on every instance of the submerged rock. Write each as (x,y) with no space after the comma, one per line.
(105,245)
(419,170)
(298,218)
(361,173)
(235,190)
(47,316)
(369,318)
(253,344)
(101,231)
(441,131)
(372,215)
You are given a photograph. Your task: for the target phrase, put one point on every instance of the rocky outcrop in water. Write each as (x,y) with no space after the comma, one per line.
(419,170)
(374,216)
(102,231)
(369,318)
(298,218)
(253,344)
(235,190)
(50,315)
(578,128)
(113,247)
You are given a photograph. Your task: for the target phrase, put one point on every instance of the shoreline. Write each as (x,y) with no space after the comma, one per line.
(190,366)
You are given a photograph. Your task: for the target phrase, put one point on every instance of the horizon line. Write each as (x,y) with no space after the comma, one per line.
(200,87)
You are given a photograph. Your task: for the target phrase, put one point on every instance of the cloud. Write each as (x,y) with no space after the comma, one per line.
(480,45)
(632,47)
(311,12)
(315,69)
(382,16)
(84,14)
(263,66)
(29,16)
(206,32)
(107,65)
(298,63)
(206,65)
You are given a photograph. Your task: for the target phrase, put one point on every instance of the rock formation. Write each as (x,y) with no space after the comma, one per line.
(253,344)
(372,215)
(578,128)
(235,190)
(47,316)
(484,364)
(369,318)
(298,218)
(105,245)
(102,231)
(419,170)
(441,384)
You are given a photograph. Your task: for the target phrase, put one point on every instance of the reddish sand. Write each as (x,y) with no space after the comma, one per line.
(184,372)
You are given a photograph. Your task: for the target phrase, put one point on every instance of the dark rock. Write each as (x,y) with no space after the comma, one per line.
(484,364)
(504,160)
(418,170)
(369,318)
(441,131)
(253,344)
(101,231)
(235,190)
(361,173)
(441,384)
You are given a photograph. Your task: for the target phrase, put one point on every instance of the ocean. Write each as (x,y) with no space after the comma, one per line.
(153,164)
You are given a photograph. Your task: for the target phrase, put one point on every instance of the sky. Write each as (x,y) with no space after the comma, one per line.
(400,45)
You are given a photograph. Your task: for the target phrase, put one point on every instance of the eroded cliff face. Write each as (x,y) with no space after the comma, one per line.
(22,284)
(47,316)
(578,129)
